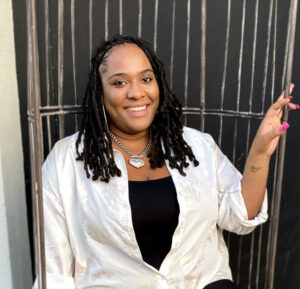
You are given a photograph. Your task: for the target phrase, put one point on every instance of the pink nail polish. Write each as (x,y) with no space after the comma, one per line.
(284,126)
(290,97)
(297,105)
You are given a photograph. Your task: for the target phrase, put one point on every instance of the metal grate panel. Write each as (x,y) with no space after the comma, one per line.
(224,61)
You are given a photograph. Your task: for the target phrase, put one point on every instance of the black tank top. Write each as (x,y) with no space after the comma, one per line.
(155,212)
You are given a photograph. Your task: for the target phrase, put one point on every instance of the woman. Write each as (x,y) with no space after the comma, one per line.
(145,203)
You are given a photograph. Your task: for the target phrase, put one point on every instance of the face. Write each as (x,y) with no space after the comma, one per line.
(130,91)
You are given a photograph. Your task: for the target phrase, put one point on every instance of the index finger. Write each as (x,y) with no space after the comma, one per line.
(280,103)
(292,85)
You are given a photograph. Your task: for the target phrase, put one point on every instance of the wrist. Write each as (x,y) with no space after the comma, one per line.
(259,155)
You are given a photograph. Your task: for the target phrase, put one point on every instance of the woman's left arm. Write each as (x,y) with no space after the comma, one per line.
(257,164)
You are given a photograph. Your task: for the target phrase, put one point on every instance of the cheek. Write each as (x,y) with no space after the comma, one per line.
(112,98)
(154,92)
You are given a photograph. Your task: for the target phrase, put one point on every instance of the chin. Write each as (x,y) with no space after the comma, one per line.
(138,128)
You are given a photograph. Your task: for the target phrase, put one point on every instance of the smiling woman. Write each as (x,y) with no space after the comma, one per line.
(128,98)
(160,195)
(130,92)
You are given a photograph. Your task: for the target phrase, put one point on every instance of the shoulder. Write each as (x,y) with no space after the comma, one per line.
(62,149)
(195,137)
(66,144)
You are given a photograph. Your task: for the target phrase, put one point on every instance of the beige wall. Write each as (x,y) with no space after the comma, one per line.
(15,267)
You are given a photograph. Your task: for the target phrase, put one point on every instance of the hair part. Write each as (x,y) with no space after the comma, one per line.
(97,152)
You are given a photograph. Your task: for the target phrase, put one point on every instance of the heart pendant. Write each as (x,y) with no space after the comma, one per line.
(137,163)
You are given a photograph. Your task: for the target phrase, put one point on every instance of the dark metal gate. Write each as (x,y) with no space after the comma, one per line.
(225,90)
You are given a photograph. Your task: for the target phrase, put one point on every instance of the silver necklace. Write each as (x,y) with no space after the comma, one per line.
(135,160)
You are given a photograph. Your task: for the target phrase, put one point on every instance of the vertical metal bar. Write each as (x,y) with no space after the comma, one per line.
(155,25)
(253,56)
(74,58)
(226,53)
(271,210)
(140,18)
(276,154)
(106,19)
(35,138)
(225,70)
(234,140)
(30,110)
(187,47)
(241,57)
(172,44)
(203,63)
(233,160)
(239,259)
(252,71)
(282,142)
(238,108)
(263,105)
(267,54)
(259,250)
(286,49)
(47,56)
(90,29)
(47,46)
(61,65)
(251,259)
(36,241)
(121,16)
(220,132)
(249,122)
(274,52)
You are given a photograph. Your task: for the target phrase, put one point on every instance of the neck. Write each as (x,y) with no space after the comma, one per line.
(134,142)
(127,136)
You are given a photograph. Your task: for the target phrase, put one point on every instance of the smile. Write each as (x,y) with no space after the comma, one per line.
(137,108)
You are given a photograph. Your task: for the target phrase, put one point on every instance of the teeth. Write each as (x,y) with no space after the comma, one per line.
(137,108)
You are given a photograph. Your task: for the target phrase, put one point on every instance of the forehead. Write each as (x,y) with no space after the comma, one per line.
(125,57)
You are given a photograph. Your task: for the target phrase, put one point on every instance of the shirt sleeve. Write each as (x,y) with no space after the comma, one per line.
(59,255)
(233,214)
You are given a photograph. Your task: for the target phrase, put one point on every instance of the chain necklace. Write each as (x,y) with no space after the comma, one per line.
(135,160)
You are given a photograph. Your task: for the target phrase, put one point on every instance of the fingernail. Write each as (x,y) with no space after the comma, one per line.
(284,126)
(292,86)
(290,97)
(297,105)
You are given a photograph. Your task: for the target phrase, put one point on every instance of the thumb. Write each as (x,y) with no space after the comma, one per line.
(284,127)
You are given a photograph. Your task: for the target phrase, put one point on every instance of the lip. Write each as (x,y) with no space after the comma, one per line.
(135,111)
(136,105)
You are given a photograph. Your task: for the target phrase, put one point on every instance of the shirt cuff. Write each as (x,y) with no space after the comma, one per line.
(242,214)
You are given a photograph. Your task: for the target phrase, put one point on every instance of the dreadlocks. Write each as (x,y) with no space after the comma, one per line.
(97,153)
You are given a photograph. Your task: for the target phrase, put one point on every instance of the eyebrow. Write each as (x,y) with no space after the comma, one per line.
(123,73)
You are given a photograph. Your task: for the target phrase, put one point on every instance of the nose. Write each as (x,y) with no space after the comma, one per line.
(135,90)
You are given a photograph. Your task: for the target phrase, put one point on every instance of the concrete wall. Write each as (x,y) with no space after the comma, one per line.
(15,267)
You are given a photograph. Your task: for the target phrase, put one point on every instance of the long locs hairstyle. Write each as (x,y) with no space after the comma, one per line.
(93,144)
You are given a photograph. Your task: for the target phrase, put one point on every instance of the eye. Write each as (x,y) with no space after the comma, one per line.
(119,83)
(146,79)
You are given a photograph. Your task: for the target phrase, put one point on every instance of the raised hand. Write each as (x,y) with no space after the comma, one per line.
(271,127)
(257,164)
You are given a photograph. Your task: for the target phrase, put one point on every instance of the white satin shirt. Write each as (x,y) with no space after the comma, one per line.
(90,240)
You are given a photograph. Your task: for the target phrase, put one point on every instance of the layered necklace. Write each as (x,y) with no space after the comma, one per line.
(135,160)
